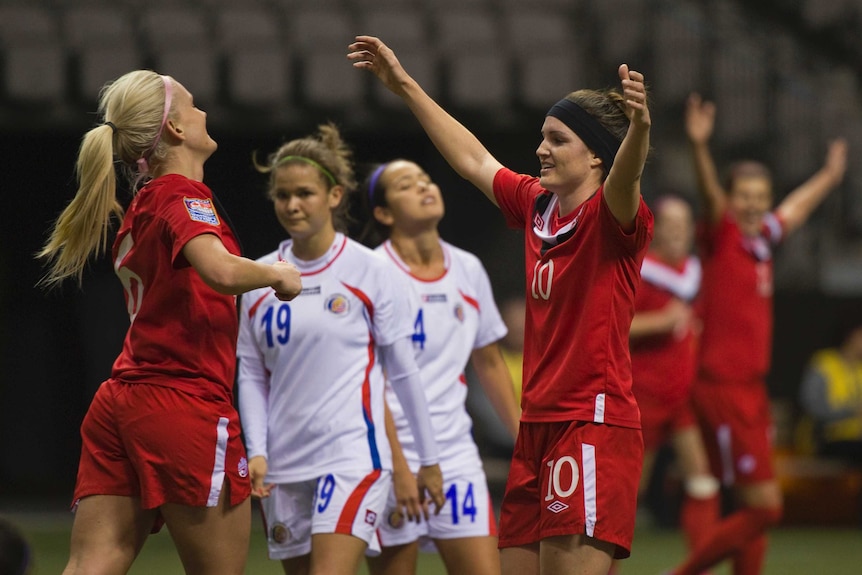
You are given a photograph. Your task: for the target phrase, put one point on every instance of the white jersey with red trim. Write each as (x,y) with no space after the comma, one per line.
(452,315)
(310,382)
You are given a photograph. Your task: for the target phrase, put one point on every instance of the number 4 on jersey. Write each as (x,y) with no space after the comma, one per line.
(419,331)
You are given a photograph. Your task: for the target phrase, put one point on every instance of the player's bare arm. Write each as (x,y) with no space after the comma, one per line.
(462,150)
(230,274)
(496,382)
(795,209)
(404,483)
(623,184)
(699,127)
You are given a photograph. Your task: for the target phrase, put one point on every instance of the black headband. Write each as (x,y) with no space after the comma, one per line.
(594,135)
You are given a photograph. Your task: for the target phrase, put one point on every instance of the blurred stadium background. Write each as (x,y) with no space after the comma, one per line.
(785,75)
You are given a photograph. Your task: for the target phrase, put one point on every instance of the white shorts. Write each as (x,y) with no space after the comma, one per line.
(467,512)
(348,503)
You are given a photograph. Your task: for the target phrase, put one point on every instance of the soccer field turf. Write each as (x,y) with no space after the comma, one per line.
(792,551)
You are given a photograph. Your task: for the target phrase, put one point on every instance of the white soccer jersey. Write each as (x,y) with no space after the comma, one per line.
(310,380)
(452,315)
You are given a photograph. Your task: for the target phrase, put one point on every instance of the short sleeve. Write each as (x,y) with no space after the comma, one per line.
(188,211)
(516,195)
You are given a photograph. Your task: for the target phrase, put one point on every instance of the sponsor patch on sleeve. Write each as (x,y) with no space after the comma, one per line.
(201,210)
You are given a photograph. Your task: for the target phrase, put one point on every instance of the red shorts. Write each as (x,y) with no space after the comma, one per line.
(660,420)
(162,445)
(737,430)
(570,478)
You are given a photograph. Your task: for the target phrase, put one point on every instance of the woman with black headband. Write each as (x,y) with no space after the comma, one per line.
(310,376)
(161,438)
(571,495)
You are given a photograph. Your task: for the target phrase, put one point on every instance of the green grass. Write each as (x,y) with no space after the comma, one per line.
(792,551)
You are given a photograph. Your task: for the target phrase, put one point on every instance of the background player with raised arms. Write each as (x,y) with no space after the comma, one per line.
(739,230)
(311,383)
(161,438)
(456,323)
(572,491)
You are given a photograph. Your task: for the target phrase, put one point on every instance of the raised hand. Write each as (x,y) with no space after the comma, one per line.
(836,159)
(699,119)
(634,92)
(370,53)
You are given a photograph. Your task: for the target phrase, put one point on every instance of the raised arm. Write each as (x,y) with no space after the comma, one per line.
(461,149)
(699,126)
(795,209)
(230,274)
(623,184)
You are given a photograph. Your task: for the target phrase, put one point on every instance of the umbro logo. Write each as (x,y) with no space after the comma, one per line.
(557,506)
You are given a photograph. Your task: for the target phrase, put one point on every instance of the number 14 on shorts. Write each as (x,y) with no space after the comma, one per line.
(467,504)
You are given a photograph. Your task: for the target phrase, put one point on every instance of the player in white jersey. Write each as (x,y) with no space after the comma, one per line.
(311,385)
(455,319)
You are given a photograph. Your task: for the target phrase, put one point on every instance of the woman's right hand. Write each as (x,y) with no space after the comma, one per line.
(430,483)
(406,489)
(699,119)
(370,53)
(289,282)
(257,473)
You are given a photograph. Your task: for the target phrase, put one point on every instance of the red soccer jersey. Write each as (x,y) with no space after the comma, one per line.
(581,282)
(663,365)
(182,333)
(736,306)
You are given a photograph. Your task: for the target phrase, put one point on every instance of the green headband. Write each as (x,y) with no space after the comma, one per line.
(326,172)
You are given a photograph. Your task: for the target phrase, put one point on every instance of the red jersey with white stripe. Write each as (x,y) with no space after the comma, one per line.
(182,333)
(310,382)
(453,315)
(582,274)
(664,364)
(736,305)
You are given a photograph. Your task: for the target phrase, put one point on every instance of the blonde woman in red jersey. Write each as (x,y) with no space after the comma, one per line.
(161,439)
(572,489)
(738,232)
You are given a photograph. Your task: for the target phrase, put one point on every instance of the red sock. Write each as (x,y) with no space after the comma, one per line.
(749,560)
(728,537)
(697,518)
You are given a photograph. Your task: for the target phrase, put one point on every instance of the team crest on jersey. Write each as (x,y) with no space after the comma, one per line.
(370,517)
(201,210)
(242,467)
(459,312)
(338,304)
(396,520)
(279,533)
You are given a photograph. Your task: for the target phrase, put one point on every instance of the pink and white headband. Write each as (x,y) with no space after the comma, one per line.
(143,168)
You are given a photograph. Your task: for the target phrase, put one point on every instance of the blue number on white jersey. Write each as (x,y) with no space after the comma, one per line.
(419,331)
(282,325)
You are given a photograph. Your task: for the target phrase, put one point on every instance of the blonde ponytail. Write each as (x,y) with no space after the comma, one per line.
(134,106)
